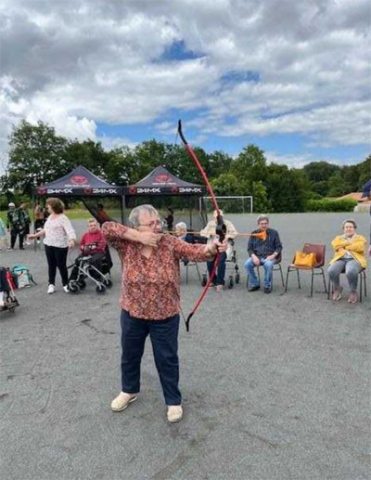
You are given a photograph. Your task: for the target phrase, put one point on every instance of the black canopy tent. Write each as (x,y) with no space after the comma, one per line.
(83,184)
(162,189)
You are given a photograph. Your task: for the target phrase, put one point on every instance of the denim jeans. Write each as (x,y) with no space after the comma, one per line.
(268,269)
(220,271)
(164,339)
(350,267)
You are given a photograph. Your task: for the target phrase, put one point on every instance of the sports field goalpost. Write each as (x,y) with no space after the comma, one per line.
(232,203)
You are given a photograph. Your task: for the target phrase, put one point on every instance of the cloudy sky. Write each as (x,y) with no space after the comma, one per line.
(292,77)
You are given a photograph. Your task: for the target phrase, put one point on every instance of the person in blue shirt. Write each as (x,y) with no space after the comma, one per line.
(262,252)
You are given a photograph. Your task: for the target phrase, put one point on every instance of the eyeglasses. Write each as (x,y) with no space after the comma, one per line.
(150,224)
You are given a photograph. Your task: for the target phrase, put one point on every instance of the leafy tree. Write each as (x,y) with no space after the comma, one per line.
(220,163)
(226,184)
(89,154)
(320,171)
(285,189)
(364,170)
(250,164)
(121,168)
(318,174)
(337,185)
(261,201)
(179,163)
(147,156)
(250,168)
(36,156)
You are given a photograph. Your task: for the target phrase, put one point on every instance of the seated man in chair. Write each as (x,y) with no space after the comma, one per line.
(262,252)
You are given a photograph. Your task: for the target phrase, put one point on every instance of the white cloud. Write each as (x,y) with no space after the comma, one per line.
(108,143)
(77,64)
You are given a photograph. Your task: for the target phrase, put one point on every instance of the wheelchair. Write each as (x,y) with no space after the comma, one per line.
(91,266)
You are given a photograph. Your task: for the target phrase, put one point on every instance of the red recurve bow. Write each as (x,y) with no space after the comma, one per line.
(220,226)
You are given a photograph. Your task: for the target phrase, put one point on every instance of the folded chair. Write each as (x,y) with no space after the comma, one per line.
(317,269)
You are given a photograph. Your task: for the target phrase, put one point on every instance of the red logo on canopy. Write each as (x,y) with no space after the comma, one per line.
(88,191)
(162,178)
(79,180)
(174,189)
(132,189)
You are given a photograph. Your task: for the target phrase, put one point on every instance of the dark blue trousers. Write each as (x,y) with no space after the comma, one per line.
(220,271)
(164,339)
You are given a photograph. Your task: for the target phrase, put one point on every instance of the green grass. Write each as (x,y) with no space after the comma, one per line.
(78,214)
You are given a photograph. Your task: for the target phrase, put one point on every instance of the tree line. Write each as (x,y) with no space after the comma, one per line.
(37,155)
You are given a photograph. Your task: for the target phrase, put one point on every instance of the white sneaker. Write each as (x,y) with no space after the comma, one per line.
(66,289)
(51,289)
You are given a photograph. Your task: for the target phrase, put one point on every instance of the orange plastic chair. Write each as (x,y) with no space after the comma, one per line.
(318,268)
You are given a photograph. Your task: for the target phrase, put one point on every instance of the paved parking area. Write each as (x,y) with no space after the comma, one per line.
(276,387)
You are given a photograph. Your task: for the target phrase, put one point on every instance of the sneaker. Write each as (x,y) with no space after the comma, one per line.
(174,413)
(51,289)
(122,401)
(253,288)
(66,289)
(267,289)
(219,288)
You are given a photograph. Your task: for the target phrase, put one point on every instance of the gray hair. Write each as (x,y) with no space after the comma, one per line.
(134,214)
(181,226)
(350,220)
(262,217)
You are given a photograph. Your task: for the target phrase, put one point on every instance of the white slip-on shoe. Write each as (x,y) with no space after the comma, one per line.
(66,289)
(122,401)
(174,413)
(51,289)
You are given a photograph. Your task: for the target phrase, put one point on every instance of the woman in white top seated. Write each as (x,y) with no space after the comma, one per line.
(59,237)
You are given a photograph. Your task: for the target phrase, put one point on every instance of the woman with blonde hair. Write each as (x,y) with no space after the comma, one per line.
(59,237)
(349,257)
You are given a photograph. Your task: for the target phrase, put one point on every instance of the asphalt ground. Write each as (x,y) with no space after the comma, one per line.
(275,386)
